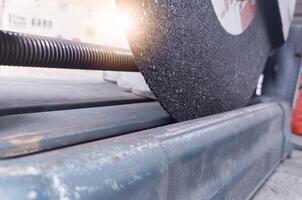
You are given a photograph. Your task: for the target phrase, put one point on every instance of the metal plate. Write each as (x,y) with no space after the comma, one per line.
(20,95)
(31,133)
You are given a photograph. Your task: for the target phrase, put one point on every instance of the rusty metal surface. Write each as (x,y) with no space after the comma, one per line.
(19,95)
(225,156)
(31,133)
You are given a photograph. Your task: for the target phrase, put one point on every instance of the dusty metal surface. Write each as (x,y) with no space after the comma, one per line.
(32,95)
(225,156)
(30,133)
(286,182)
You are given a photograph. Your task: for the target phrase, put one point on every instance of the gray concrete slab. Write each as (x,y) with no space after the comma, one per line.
(286,182)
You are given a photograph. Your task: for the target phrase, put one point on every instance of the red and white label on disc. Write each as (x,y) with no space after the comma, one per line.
(235,15)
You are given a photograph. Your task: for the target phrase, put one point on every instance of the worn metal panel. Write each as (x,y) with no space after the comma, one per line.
(226,156)
(19,95)
(31,133)
(237,152)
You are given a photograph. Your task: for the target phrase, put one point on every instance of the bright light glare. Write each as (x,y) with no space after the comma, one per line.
(123,21)
(114,26)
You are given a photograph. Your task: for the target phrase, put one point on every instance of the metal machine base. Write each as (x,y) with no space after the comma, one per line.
(226,156)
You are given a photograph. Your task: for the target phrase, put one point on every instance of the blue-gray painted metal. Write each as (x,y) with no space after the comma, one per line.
(226,156)
(35,132)
(21,95)
(281,74)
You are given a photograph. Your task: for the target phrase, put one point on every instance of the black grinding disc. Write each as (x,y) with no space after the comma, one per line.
(191,63)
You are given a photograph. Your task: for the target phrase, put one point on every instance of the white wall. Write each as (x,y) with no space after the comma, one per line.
(82,20)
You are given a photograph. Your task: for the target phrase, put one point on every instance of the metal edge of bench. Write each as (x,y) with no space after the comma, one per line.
(25,134)
(225,156)
(50,95)
(68,106)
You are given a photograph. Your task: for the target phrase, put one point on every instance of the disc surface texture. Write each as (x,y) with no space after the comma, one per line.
(192,62)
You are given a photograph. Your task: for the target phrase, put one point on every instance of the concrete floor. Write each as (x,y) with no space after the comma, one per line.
(286,182)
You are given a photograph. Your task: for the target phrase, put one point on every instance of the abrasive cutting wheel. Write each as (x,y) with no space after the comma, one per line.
(202,57)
